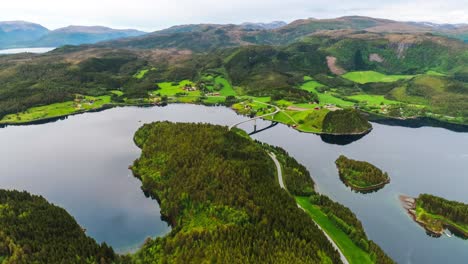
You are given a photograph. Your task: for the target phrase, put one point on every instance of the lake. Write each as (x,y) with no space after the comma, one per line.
(81,164)
(27,50)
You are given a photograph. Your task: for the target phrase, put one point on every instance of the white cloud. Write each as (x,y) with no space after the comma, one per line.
(151,15)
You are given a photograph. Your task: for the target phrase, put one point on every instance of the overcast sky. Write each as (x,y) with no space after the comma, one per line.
(150,15)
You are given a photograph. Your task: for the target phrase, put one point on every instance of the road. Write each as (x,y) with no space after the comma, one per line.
(258,117)
(281,183)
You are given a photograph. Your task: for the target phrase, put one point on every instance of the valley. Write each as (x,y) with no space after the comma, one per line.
(228,143)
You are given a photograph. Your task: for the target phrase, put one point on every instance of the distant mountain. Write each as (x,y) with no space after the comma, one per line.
(206,37)
(76,35)
(260,26)
(21,34)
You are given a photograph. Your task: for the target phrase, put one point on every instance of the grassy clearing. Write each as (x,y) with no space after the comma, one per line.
(434,73)
(363,77)
(435,222)
(353,253)
(86,103)
(313,122)
(401,95)
(326,97)
(373,99)
(311,86)
(227,89)
(140,74)
(173,89)
(117,92)
(310,121)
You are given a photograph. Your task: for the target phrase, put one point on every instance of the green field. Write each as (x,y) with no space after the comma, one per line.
(58,109)
(141,74)
(172,89)
(326,97)
(363,77)
(311,85)
(353,253)
(374,100)
(401,94)
(227,89)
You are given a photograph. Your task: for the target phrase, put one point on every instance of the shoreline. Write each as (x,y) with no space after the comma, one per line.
(372,188)
(113,105)
(409,204)
(415,122)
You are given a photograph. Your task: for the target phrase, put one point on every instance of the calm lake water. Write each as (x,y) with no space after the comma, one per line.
(29,50)
(81,164)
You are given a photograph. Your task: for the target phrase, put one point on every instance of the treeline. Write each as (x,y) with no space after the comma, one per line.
(219,191)
(452,210)
(360,174)
(35,231)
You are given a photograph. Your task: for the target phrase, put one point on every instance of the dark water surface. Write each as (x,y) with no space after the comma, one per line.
(82,164)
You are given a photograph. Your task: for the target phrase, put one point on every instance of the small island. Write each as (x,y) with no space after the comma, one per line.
(361,176)
(435,214)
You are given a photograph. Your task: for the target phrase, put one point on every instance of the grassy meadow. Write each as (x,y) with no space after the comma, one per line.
(353,253)
(363,77)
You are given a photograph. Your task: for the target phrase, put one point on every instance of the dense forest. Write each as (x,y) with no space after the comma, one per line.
(452,212)
(361,175)
(345,121)
(35,231)
(219,191)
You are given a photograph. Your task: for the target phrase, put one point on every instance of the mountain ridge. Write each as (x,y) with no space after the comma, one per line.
(23,34)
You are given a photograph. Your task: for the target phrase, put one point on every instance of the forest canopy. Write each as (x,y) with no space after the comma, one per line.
(361,175)
(219,191)
(35,231)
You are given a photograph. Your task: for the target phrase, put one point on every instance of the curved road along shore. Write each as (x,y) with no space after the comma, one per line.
(281,183)
(258,117)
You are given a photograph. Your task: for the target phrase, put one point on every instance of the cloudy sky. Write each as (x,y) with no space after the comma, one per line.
(151,15)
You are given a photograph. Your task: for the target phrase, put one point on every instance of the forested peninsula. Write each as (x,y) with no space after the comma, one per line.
(361,176)
(35,231)
(220,192)
(436,214)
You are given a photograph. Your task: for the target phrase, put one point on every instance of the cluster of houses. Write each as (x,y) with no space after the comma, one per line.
(189,88)
(332,107)
(80,99)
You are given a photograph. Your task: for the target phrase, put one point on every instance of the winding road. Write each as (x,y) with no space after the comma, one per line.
(281,183)
(258,117)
